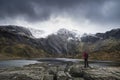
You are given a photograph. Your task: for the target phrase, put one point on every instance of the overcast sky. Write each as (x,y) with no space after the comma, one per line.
(89,16)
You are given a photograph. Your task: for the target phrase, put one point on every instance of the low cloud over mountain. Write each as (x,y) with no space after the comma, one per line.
(83,15)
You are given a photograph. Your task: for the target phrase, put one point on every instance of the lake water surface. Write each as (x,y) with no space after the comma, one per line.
(20,63)
(16,63)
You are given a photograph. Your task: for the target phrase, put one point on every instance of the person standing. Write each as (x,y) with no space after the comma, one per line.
(85,56)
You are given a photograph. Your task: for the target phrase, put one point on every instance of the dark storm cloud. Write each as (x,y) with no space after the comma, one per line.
(97,11)
(32,9)
(15,8)
(108,12)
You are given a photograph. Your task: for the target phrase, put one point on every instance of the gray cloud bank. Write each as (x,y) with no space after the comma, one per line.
(96,11)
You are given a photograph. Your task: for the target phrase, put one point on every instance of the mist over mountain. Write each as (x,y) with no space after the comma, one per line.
(37,33)
(16,41)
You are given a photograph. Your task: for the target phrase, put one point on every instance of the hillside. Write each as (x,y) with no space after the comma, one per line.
(102,46)
(18,42)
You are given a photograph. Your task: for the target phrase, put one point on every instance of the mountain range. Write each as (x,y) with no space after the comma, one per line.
(18,42)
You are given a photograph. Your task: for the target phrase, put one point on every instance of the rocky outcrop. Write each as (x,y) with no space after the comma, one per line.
(61,71)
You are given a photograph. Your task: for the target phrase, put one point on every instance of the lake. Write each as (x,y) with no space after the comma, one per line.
(20,63)
(16,63)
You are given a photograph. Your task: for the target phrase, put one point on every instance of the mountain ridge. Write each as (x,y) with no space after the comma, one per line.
(64,43)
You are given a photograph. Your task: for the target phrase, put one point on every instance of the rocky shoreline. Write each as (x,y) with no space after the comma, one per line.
(60,71)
